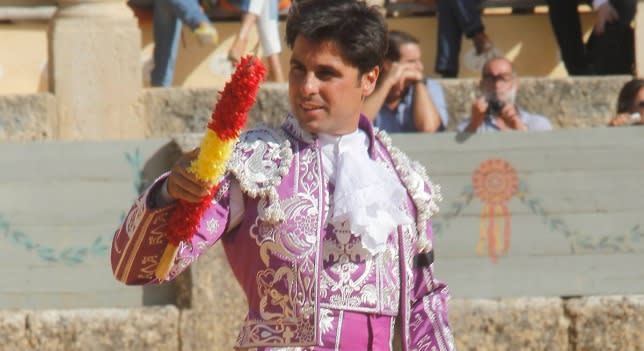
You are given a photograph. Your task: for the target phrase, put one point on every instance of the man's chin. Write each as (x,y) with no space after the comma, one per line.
(309,125)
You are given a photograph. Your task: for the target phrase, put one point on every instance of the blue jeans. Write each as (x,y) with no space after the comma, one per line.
(455,18)
(168,16)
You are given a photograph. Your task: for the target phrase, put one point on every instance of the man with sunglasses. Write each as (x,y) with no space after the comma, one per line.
(496,109)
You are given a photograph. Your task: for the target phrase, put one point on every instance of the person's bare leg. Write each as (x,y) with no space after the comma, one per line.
(275,73)
(238,48)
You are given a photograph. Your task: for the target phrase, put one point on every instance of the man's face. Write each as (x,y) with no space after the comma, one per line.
(410,58)
(410,55)
(499,81)
(325,91)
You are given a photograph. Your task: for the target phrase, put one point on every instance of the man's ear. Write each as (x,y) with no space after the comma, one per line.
(369,80)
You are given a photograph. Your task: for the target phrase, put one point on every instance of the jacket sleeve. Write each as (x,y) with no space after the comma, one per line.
(429,327)
(140,240)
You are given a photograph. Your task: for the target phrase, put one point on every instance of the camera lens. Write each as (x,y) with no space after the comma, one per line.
(495,106)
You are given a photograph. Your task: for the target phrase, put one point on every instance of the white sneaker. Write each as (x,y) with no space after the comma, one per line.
(207,34)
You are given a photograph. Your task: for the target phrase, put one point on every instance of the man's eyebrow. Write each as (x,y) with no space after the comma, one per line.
(327,67)
(294,61)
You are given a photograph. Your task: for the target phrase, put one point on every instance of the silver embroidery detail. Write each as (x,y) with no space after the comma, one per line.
(259,161)
(212,225)
(414,176)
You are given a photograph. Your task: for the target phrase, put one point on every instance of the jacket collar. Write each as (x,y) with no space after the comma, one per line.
(292,127)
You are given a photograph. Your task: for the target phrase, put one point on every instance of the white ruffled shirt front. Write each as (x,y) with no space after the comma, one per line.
(366,194)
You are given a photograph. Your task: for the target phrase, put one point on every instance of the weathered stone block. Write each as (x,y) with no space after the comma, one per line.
(509,324)
(28,117)
(175,110)
(218,305)
(607,323)
(13,331)
(272,105)
(98,95)
(105,329)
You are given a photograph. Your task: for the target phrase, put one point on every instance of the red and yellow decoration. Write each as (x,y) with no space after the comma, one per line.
(495,182)
(227,121)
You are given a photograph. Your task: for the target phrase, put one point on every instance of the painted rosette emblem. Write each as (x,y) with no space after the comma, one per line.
(495,182)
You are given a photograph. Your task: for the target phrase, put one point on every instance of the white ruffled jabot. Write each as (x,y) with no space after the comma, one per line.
(366,194)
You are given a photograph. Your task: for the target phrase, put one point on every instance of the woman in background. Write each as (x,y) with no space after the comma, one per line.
(630,104)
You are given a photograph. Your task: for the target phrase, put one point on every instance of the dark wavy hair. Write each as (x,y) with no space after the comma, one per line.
(359,30)
(627,94)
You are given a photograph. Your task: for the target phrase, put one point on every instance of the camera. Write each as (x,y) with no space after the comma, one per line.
(495,106)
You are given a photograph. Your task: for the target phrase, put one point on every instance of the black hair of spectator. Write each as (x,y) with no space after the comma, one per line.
(396,39)
(359,30)
(627,94)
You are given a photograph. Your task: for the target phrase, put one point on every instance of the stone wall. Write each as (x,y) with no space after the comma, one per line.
(28,117)
(576,324)
(568,103)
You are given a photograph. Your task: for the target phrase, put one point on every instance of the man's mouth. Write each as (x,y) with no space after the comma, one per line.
(310,107)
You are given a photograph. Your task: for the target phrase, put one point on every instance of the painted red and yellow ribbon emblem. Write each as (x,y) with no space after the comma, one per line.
(227,120)
(495,182)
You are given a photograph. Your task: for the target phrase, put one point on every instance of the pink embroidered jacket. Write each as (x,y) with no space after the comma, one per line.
(289,260)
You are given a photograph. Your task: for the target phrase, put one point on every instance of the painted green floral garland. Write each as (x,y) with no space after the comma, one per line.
(70,255)
(578,243)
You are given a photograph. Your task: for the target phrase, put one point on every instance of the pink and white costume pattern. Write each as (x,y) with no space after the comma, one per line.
(309,284)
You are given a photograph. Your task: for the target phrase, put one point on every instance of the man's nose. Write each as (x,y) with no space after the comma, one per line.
(310,84)
(498,83)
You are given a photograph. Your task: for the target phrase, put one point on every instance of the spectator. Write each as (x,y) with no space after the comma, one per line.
(610,48)
(264,13)
(630,105)
(496,110)
(168,16)
(405,101)
(455,18)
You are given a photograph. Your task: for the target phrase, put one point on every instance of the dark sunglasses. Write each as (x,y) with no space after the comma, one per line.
(640,104)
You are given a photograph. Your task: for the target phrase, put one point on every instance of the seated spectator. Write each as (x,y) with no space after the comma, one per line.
(496,109)
(167,17)
(630,104)
(610,48)
(455,18)
(404,100)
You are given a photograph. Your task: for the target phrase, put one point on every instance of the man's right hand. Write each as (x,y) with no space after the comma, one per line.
(183,185)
